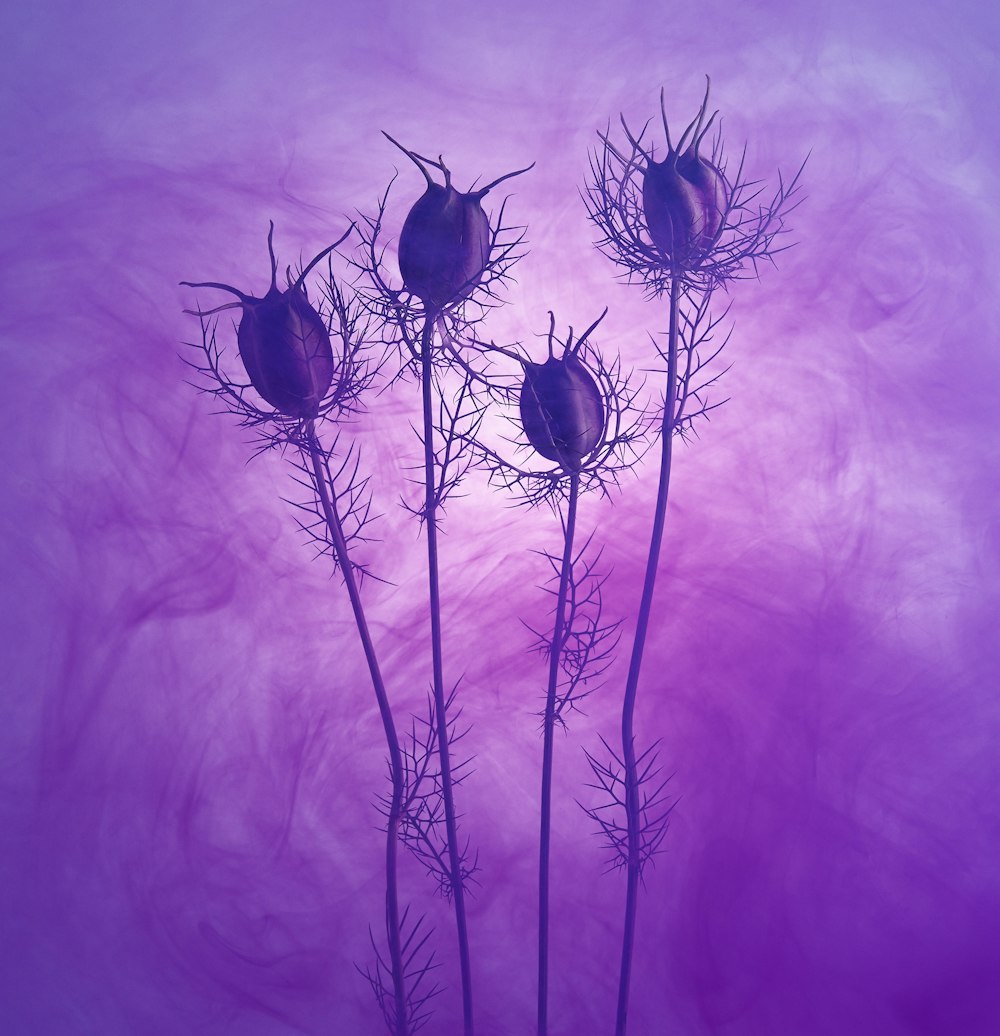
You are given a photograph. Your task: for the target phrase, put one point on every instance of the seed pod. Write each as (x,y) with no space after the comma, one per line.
(684,197)
(284,343)
(444,246)
(562,409)
(286,350)
(683,201)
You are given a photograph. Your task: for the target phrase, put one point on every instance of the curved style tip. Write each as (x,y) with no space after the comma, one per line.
(663,116)
(270,252)
(222,287)
(322,255)
(507,176)
(593,327)
(412,156)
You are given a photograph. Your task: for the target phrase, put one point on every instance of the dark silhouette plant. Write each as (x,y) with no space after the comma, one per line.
(452,261)
(683,226)
(299,383)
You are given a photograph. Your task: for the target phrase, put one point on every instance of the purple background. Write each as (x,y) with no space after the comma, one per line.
(188,742)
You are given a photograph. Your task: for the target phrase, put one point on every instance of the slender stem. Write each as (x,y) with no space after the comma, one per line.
(632,807)
(340,551)
(430,516)
(558,636)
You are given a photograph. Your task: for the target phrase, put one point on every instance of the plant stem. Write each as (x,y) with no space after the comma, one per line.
(632,807)
(558,635)
(451,825)
(340,551)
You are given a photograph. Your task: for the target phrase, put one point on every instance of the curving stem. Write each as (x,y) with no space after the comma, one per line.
(447,792)
(632,807)
(341,554)
(558,636)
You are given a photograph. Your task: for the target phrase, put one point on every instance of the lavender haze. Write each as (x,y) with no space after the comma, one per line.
(189,746)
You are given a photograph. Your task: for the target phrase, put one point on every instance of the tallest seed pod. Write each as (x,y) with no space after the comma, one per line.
(684,196)
(444,247)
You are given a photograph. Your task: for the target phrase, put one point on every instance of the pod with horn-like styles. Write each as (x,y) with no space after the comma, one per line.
(684,197)
(284,343)
(562,409)
(444,246)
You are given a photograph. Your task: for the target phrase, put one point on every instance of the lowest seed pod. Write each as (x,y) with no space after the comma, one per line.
(445,243)
(283,342)
(563,412)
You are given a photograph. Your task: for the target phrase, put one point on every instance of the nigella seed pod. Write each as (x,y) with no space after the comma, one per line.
(283,342)
(286,350)
(563,412)
(684,197)
(444,246)
(682,203)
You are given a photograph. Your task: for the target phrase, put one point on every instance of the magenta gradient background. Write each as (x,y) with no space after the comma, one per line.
(189,745)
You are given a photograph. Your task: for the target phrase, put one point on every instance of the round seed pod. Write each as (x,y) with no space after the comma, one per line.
(562,410)
(284,343)
(683,198)
(286,350)
(445,243)
(444,246)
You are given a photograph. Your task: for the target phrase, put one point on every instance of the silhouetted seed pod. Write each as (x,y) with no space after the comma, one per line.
(684,199)
(683,216)
(284,343)
(444,246)
(562,410)
(286,350)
